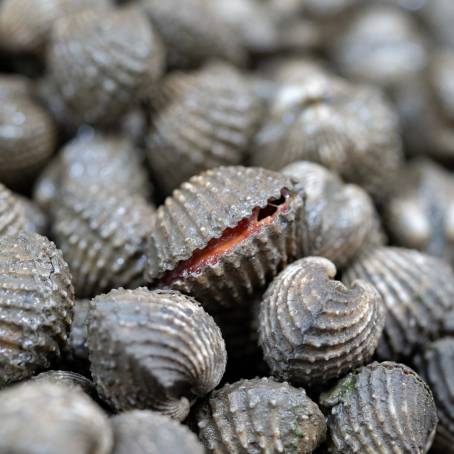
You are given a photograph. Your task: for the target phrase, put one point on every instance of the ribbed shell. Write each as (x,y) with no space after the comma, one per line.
(155,350)
(48,418)
(67,378)
(103,237)
(205,119)
(338,218)
(77,349)
(202,209)
(102,62)
(36,305)
(417,290)
(382,408)
(312,328)
(147,432)
(13,218)
(260,416)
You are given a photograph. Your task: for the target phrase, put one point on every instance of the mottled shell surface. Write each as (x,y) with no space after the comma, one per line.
(103,237)
(155,350)
(381,408)
(312,328)
(205,119)
(143,431)
(36,305)
(417,290)
(48,418)
(67,378)
(102,62)
(211,207)
(260,416)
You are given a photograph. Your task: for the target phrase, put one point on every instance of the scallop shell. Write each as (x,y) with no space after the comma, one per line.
(379,409)
(155,350)
(48,418)
(143,431)
(206,119)
(313,328)
(102,62)
(260,416)
(66,378)
(103,237)
(36,305)
(225,233)
(417,290)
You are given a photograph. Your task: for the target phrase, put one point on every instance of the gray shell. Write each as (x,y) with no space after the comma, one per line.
(48,418)
(202,210)
(35,218)
(147,432)
(439,16)
(312,328)
(205,119)
(381,408)
(417,290)
(102,62)
(260,416)
(36,305)
(77,348)
(66,378)
(155,350)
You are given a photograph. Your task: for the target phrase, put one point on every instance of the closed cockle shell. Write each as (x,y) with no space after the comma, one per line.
(144,431)
(260,416)
(223,234)
(102,62)
(48,418)
(103,237)
(67,378)
(205,119)
(313,328)
(155,350)
(36,305)
(379,409)
(417,290)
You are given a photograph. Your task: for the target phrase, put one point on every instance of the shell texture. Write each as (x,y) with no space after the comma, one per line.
(78,349)
(155,350)
(417,290)
(47,186)
(36,305)
(260,416)
(312,328)
(102,62)
(205,119)
(35,218)
(223,234)
(41,417)
(381,408)
(144,431)
(68,379)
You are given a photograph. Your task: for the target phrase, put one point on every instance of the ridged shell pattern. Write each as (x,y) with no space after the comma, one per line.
(313,328)
(260,416)
(67,378)
(36,305)
(417,290)
(381,408)
(163,349)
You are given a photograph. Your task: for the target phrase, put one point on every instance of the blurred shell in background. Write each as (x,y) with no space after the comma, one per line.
(69,379)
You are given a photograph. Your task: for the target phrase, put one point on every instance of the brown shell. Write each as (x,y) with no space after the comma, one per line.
(102,62)
(103,237)
(53,419)
(36,305)
(208,206)
(67,378)
(155,350)
(205,119)
(147,432)
(260,416)
(312,328)
(417,290)
(379,409)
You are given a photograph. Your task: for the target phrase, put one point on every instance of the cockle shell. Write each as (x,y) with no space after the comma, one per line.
(77,348)
(67,378)
(35,218)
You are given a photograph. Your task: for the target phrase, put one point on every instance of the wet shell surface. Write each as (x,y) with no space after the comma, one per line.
(313,328)
(155,350)
(417,290)
(48,418)
(260,416)
(379,409)
(223,234)
(67,378)
(36,305)
(103,61)
(205,119)
(144,431)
